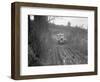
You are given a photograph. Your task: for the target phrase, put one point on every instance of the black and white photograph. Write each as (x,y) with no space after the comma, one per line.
(57,40)
(50,40)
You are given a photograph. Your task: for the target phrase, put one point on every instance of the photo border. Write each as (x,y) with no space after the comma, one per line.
(15,39)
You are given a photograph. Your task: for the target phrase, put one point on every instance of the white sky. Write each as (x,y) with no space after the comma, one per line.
(79,21)
(58,20)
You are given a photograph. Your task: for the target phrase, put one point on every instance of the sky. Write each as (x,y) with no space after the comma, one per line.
(75,21)
(61,20)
